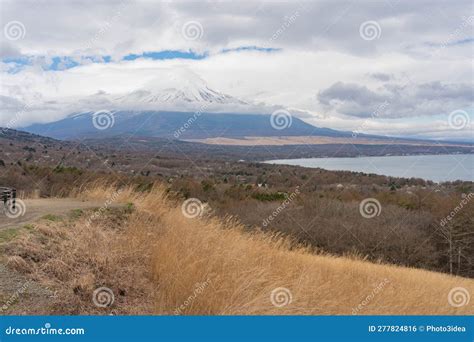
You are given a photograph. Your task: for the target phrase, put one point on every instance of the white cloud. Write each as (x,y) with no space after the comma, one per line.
(320,45)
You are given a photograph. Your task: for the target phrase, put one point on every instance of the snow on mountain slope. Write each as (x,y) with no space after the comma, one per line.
(186,94)
(179,87)
(177,90)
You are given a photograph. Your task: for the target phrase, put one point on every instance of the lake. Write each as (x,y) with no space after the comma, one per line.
(437,168)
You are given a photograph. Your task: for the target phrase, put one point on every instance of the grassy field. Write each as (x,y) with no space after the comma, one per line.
(156,256)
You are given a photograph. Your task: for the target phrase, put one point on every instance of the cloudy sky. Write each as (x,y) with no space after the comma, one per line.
(391,67)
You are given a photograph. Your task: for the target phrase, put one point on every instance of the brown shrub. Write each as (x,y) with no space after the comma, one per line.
(164,263)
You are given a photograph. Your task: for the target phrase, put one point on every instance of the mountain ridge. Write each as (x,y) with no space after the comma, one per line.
(167,124)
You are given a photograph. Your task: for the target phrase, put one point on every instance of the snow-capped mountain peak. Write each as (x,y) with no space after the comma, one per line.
(177,90)
(186,94)
(177,86)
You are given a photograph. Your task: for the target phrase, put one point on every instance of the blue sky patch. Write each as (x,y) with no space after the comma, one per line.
(251,48)
(168,54)
(16,64)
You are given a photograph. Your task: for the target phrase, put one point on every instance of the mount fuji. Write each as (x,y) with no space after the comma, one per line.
(176,89)
(170,102)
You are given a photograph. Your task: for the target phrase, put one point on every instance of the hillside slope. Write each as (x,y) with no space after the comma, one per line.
(156,259)
(166,124)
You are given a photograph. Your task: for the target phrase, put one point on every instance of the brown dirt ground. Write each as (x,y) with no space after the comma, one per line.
(36,208)
(18,295)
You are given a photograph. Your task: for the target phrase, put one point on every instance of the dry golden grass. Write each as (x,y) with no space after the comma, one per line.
(158,261)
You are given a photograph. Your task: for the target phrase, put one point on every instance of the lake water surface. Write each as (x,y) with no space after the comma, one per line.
(438,168)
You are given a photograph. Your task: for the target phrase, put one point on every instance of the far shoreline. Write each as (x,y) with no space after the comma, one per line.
(422,171)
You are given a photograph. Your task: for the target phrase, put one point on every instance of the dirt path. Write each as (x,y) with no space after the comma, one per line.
(21,296)
(37,208)
(18,294)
